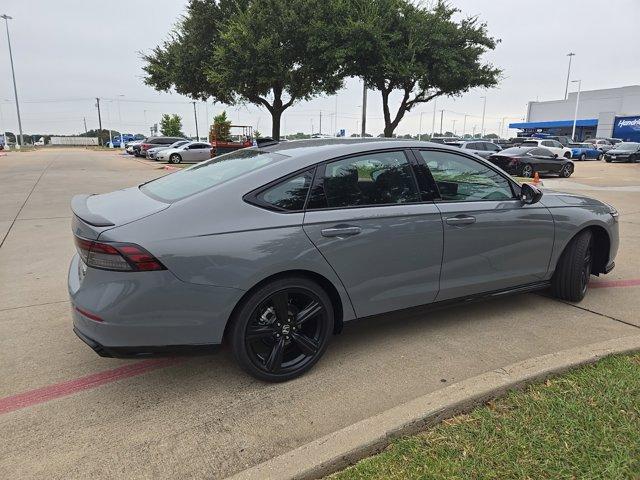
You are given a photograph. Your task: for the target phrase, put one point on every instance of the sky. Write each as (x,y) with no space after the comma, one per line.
(67,52)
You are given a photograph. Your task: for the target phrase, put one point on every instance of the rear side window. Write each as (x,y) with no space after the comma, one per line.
(462,179)
(288,195)
(379,178)
(202,176)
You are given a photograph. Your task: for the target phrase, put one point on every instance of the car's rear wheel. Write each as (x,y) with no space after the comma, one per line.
(567,155)
(583,157)
(566,170)
(600,156)
(527,171)
(175,158)
(571,278)
(282,329)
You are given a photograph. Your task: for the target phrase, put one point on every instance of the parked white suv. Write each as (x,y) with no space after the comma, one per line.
(601,144)
(552,145)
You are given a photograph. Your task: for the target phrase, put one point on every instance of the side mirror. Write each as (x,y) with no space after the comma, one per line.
(555,155)
(530,194)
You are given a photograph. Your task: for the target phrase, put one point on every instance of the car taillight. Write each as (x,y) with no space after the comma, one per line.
(124,257)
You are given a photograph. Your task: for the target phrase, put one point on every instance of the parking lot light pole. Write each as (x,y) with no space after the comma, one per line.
(484,109)
(566,88)
(575,115)
(464,125)
(420,133)
(13,74)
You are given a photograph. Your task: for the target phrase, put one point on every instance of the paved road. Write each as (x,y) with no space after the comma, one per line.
(67,413)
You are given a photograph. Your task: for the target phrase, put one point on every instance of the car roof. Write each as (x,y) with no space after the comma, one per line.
(329,146)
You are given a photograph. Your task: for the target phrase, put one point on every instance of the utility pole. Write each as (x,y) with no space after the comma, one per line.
(320,123)
(363,127)
(441,118)
(484,109)
(84,119)
(420,133)
(464,126)
(99,121)
(433,124)
(195,116)
(13,74)
(454,127)
(566,88)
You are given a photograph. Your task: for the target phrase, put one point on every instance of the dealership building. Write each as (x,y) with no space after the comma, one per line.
(608,113)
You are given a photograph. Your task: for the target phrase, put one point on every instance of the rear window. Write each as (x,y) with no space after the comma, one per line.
(530,142)
(208,174)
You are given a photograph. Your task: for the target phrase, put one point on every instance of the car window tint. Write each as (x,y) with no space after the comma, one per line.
(289,194)
(372,179)
(492,147)
(207,174)
(462,179)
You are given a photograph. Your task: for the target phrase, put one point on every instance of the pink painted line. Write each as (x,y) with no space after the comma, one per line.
(63,389)
(632,282)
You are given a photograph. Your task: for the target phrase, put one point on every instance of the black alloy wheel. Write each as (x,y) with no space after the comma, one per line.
(282,329)
(587,262)
(527,170)
(566,170)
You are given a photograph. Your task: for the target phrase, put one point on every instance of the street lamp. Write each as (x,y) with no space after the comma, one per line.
(120,122)
(420,134)
(566,88)
(464,125)
(13,74)
(575,115)
(484,109)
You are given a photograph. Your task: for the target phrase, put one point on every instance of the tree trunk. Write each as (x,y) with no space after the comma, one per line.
(275,123)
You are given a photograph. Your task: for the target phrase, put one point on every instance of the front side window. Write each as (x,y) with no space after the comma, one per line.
(462,179)
(380,178)
(289,194)
(210,173)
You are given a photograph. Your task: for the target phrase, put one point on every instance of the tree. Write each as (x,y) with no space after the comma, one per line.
(171,125)
(397,46)
(222,127)
(491,135)
(267,52)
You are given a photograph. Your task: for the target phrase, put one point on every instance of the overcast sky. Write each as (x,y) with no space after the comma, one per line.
(67,52)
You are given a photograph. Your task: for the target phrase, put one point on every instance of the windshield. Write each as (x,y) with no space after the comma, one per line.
(208,174)
(631,146)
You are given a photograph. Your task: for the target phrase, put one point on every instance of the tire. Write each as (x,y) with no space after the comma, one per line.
(175,158)
(527,171)
(600,156)
(583,157)
(273,347)
(566,170)
(608,160)
(567,155)
(571,278)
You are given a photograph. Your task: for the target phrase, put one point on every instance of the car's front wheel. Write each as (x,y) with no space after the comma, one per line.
(583,157)
(175,158)
(566,170)
(571,278)
(282,329)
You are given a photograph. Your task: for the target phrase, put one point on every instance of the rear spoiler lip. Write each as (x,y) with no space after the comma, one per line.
(81,210)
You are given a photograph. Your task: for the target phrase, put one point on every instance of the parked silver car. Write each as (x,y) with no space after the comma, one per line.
(274,248)
(187,152)
(152,153)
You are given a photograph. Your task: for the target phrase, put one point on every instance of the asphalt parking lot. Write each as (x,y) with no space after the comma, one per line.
(67,413)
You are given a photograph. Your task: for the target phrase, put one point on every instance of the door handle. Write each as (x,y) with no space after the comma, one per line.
(341,231)
(459,220)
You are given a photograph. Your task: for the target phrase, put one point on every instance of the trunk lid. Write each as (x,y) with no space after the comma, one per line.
(94,214)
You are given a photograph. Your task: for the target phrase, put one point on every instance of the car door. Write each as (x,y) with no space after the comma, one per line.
(545,160)
(377,226)
(202,152)
(492,241)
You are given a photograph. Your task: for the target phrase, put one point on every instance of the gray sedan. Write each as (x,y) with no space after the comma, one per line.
(273,249)
(187,152)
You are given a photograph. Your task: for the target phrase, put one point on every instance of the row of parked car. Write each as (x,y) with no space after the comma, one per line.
(170,149)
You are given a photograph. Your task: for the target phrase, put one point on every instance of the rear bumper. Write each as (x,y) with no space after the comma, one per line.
(146,311)
(145,351)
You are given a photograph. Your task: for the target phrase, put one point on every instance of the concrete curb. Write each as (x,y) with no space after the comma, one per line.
(345,447)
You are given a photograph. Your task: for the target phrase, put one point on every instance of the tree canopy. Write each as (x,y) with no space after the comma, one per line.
(171,125)
(422,53)
(267,52)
